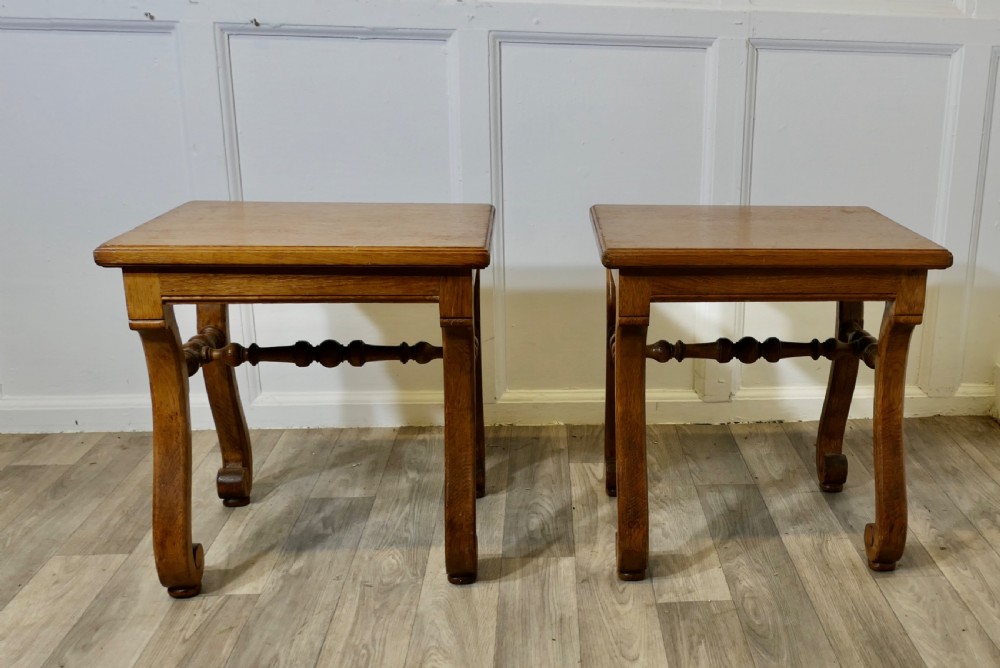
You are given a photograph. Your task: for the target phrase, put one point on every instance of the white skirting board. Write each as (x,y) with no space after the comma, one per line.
(302,410)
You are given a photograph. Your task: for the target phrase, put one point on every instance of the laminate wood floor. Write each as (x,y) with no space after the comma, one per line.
(339,560)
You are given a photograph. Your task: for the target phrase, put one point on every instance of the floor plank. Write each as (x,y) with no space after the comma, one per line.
(618,620)
(114,629)
(246,550)
(942,627)
(712,456)
(703,634)
(961,553)
(537,623)
(778,618)
(21,486)
(59,449)
(456,626)
(356,463)
(123,518)
(210,515)
(41,527)
(13,446)
(290,619)
(854,507)
(967,484)
(860,624)
(198,633)
(538,519)
(374,619)
(683,562)
(340,555)
(34,622)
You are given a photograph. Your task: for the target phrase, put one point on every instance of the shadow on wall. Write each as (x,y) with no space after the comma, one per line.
(540,344)
(536,341)
(982,343)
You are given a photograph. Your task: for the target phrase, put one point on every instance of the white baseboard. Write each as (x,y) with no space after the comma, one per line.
(277,410)
(281,410)
(107,412)
(766,404)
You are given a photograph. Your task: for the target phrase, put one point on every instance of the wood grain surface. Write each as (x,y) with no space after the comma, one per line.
(307,234)
(763,571)
(736,236)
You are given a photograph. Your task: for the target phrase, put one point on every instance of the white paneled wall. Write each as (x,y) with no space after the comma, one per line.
(113,112)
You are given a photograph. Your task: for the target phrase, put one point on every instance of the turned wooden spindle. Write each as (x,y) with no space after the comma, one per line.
(748,349)
(205,348)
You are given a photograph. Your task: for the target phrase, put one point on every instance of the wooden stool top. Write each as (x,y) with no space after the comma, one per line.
(275,234)
(771,237)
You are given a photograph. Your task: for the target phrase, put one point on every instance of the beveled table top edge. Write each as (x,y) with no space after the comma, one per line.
(913,251)
(123,251)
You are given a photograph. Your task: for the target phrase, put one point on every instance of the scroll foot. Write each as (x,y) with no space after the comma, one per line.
(877,561)
(233,484)
(833,472)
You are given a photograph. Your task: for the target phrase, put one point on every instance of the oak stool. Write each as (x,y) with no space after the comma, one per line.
(218,253)
(762,253)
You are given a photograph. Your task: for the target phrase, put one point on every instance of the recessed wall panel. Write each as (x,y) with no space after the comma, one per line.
(91,145)
(587,124)
(343,119)
(843,128)
(982,347)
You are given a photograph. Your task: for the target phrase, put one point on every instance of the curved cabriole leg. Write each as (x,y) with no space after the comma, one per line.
(630,440)
(610,472)
(886,538)
(480,426)
(831,464)
(460,445)
(179,562)
(235,478)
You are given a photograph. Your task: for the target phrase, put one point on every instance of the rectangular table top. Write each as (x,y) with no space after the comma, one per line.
(780,237)
(274,234)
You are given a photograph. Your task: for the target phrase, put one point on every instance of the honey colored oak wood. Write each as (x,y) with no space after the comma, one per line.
(308,235)
(725,237)
(846,255)
(235,478)
(218,253)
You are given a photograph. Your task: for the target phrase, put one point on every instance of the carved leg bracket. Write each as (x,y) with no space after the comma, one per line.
(235,479)
(831,464)
(179,562)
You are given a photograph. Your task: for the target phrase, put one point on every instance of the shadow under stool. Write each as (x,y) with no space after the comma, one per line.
(847,255)
(218,253)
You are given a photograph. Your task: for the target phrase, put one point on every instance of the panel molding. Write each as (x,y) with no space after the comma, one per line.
(850,46)
(231,146)
(224,31)
(89,25)
(496,191)
(496,41)
(979,200)
(948,147)
(756,45)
